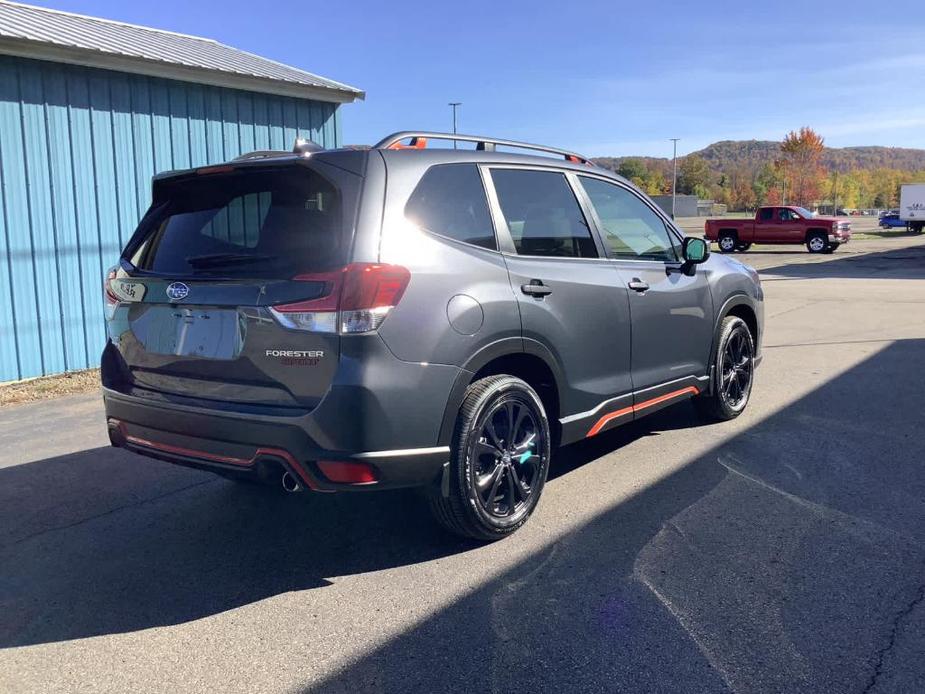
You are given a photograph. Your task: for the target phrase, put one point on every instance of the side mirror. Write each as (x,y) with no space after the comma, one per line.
(694,250)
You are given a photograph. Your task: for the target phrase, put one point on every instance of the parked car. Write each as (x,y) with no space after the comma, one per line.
(779,225)
(891,221)
(409,317)
(912,206)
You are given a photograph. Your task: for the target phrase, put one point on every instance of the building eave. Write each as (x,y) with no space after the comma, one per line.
(153,68)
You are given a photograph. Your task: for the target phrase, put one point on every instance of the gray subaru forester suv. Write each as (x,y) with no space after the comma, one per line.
(398,316)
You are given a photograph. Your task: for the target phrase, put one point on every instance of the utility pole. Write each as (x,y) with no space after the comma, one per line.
(674,175)
(835,195)
(455,105)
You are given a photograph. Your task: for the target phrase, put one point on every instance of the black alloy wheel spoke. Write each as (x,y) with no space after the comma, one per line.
(485,448)
(496,478)
(484,481)
(518,422)
(493,435)
(511,490)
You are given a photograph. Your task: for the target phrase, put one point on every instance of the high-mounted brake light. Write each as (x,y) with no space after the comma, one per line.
(354,299)
(206,170)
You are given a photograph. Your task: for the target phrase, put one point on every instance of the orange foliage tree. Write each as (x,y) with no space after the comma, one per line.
(800,163)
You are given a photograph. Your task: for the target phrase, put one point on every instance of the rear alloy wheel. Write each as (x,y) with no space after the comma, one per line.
(727,241)
(742,247)
(816,242)
(733,373)
(500,458)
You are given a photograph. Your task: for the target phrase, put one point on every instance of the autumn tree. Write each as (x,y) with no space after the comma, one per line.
(632,168)
(694,174)
(801,153)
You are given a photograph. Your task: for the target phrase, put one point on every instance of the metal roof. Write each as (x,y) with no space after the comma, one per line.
(47,34)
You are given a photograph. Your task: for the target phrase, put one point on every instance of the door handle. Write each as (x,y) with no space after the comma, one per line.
(536,288)
(637,285)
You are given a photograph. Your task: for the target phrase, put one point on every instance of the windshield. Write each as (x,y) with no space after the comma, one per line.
(266,224)
(804,213)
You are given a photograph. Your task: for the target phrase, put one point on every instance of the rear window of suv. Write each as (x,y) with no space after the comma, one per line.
(262,224)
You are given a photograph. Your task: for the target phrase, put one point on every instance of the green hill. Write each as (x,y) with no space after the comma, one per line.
(751,155)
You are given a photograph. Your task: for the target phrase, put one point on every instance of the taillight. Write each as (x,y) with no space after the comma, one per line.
(111,299)
(355,299)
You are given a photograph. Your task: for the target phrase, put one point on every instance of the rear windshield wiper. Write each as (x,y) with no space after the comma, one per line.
(223,258)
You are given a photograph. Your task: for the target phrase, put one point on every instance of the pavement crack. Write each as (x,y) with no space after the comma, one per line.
(110,512)
(894,630)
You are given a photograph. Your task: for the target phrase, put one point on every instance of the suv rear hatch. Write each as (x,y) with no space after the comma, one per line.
(189,306)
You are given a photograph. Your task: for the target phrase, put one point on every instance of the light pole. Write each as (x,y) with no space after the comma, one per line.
(454,104)
(674,175)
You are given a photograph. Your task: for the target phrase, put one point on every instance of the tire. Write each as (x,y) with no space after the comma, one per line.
(718,406)
(511,483)
(816,242)
(727,241)
(742,247)
(831,248)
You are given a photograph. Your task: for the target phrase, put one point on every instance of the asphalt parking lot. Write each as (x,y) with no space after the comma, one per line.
(783,551)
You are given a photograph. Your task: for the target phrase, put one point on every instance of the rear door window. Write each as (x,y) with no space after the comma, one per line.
(450,201)
(766,214)
(542,214)
(272,224)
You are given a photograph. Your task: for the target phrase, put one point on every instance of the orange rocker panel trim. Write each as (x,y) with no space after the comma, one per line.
(602,422)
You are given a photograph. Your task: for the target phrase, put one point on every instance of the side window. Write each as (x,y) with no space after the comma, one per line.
(450,201)
(542,214)
(767,214)
(786,215)
(631,228)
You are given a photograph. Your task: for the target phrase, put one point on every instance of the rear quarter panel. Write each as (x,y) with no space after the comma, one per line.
(459,300)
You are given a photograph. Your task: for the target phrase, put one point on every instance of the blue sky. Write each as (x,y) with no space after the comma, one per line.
(602,78)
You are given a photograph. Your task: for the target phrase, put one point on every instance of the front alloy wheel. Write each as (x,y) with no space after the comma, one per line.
(736,368)
(733,373)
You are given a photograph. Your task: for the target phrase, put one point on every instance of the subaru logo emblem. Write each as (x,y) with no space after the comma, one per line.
(177,291)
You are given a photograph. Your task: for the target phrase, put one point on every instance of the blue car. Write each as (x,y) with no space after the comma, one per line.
(891,221)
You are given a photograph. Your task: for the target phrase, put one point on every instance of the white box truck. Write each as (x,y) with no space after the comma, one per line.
(912,206)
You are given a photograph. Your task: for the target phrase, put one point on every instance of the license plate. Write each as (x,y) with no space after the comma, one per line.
(190,332)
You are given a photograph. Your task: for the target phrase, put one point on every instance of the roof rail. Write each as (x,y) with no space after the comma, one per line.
(486,144)
(301,146)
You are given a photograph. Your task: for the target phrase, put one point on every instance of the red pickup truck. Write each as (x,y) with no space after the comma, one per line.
(779,225)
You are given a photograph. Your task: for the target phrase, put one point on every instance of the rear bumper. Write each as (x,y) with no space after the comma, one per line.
(256,446)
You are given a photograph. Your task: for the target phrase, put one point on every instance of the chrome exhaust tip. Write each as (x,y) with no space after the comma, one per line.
(290,483)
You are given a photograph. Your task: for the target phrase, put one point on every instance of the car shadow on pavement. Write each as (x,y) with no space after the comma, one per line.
(787,558)
(104,541)
(784,559)
(900,263)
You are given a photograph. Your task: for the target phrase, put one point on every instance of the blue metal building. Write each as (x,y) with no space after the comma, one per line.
(90,110)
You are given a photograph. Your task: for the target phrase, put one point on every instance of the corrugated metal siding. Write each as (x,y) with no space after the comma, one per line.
(78,148)
(96,35)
